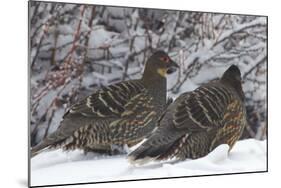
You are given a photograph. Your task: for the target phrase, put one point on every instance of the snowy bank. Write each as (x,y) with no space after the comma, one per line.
(57,167)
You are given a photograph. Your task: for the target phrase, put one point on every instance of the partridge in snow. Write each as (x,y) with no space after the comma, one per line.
(197,122)
(116,115)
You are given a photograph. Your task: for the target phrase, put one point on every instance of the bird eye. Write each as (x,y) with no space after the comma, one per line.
(165,59)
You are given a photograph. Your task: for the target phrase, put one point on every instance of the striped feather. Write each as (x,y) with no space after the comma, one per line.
(138,119)
(198,121)
(108,101)
(234,122)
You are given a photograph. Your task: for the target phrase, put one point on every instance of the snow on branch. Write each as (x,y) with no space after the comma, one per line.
(75,49)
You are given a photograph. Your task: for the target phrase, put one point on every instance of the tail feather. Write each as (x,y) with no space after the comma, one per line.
(52,140)
(148,152)
(153,149)
(39,148)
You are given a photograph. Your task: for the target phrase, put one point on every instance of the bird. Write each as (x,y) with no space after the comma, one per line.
(197,122)
(116,115)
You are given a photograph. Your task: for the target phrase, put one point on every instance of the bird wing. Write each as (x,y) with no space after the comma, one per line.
(201,109)
(107,102)
(139,113)
(100,109)
(193,116)
(234,121)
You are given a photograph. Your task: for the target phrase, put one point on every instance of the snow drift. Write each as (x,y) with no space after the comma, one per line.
(58,167)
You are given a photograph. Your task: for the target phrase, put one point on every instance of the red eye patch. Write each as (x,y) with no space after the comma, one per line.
(165,59)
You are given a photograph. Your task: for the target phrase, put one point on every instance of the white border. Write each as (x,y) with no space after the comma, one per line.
(13,93)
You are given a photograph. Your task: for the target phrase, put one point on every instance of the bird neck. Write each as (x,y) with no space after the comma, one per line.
(151,78)
(155,84)
(235,85)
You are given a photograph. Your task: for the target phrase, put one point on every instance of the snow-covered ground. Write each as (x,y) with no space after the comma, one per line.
(57,167)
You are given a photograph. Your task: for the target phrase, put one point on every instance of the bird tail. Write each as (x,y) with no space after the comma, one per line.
(39,148)
(155,148)
(52,141)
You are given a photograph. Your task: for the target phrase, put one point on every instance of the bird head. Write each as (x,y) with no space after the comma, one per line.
(161,63)
(232,77)
(232,73)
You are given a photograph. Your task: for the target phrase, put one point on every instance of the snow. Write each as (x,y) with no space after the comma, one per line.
(57,167)
(100,37)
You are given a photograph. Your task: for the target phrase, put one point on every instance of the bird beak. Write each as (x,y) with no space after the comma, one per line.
(172,67)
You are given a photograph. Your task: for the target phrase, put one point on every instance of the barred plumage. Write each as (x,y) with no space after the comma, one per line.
(119,114)
(198,121)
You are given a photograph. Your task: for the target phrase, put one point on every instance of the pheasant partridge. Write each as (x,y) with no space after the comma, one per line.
(197,122)
(116,115)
